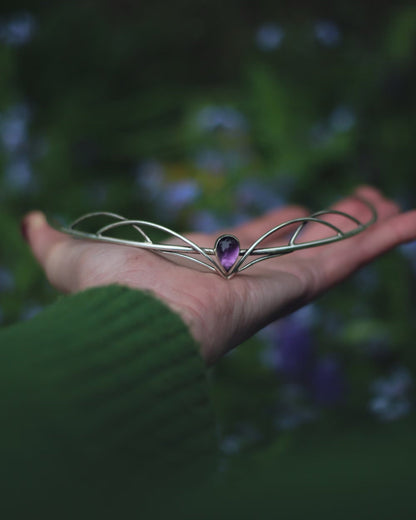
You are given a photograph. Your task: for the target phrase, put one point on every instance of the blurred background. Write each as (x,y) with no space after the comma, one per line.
(199,114)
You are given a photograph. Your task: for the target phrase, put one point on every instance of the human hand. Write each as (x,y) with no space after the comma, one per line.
(222,313)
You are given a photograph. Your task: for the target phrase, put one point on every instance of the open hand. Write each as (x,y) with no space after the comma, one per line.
(222,313)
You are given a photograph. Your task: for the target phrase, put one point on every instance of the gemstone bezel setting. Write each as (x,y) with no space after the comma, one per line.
(227,251)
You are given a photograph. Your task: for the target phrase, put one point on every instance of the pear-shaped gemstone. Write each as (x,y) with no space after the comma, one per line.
(227,249)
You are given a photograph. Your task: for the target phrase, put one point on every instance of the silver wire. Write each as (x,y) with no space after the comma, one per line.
(209,253)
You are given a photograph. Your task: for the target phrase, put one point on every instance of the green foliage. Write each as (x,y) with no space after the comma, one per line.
(324,104)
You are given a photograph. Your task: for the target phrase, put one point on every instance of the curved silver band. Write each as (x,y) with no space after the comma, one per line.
(212,256)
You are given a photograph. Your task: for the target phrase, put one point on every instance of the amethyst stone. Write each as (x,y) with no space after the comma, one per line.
(227,249)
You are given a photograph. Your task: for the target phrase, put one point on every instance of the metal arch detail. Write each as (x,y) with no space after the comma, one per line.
(209,258)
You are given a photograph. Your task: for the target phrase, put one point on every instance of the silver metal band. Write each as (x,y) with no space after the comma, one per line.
(226,258)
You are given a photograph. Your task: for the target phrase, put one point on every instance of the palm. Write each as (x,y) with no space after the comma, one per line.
(222,313)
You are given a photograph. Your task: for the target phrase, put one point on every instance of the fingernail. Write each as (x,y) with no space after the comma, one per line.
(37,219)
(34,220)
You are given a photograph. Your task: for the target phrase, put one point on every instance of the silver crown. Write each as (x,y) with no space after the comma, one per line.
(226,257)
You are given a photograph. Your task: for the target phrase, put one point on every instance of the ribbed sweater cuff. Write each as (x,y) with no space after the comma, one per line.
(110,377)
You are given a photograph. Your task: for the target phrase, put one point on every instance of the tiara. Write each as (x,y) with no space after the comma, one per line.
(226,257)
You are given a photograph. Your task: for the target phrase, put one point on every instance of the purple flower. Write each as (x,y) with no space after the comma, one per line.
(328,381)
(295,353)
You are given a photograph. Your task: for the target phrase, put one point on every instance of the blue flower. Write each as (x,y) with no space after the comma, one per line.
(13,127)
(7,283)
(409,251)
(391,395)
(327,33)
(215,117)
(30,310)
(150,177)
(18,174)
(269,36)
(210,160)
(205,221)
(179,194)
(342,119)
(18,29)
(252,194)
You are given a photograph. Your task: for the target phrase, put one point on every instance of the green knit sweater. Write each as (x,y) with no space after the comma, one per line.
(104,412)
(103,397)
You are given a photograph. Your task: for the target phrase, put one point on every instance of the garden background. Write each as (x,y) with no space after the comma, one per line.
(198,115)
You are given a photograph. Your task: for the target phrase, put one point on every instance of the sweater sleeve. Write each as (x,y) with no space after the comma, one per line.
(102,392)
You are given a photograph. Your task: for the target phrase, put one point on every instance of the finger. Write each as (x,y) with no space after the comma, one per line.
(251,231)
(385,207)
(397,230)
(354,206)
(51,248)
(348,256)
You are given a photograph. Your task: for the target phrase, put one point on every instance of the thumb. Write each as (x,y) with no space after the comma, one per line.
(60,255)
(39,235)
(43,240)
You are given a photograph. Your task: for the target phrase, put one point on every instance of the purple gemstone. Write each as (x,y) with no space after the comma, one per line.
(227,249)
